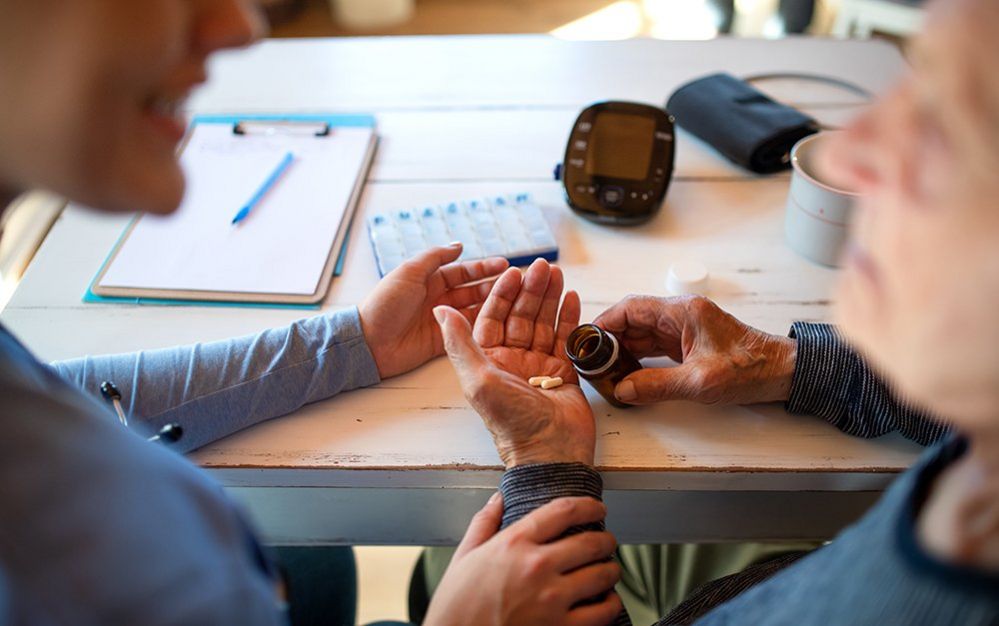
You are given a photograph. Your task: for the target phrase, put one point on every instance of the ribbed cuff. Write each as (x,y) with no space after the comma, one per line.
(528,487)
(822,370)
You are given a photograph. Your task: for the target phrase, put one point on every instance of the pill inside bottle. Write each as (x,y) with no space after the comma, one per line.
(600,359)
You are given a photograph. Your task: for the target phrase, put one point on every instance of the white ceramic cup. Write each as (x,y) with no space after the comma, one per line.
(368,14)
(818,214)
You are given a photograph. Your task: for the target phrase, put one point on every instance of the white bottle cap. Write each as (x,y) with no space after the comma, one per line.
(687,277)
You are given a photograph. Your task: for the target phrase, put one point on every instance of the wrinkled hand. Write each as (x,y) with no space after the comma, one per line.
(722,360)
(521,333)
(397,317)
(523,576)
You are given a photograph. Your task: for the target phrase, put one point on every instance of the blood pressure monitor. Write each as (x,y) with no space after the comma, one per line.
(619,162)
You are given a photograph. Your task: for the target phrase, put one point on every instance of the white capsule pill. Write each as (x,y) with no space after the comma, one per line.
(536,381)
(551,383)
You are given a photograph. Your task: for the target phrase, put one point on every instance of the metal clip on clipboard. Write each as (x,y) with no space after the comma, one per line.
(276,127)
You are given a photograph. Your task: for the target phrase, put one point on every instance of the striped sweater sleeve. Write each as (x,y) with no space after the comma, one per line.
(528,487)
(832,381)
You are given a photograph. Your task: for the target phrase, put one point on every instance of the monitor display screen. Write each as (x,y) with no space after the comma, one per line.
(620,146)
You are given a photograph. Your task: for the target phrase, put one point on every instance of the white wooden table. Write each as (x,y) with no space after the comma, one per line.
(408,461)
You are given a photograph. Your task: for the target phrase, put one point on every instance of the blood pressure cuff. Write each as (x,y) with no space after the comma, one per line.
(743,124)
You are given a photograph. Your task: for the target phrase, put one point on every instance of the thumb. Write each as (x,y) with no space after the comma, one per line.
(483,526)
(461,348)
(650,385)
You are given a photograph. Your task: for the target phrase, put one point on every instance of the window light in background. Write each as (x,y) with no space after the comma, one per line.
(5,291)
(663,19)
(23,226)
(755,18)
(681,19)
(619,20)
(687,19)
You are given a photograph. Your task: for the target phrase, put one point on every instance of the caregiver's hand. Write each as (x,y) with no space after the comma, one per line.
(397,317)
(529,574)
(721,360)
(521,333)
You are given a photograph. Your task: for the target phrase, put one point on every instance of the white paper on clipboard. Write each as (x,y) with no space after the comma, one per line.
(282,247)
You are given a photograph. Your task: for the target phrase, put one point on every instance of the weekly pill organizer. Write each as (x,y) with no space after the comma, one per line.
(508,226)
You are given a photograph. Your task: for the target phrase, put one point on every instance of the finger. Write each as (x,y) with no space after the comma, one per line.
(642,312)
(553,519)
(429,261)
(470,313)
(458,274)
(599,614)
(661,318)
(643,342)
(642,346)
(483,526)
(568,319)
(467,296)
(581,549)
(650,385)
(465,355)
(491,322)
(592,581)
(544,325)
(520,323)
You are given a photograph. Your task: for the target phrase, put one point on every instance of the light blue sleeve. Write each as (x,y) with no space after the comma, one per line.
(215,389)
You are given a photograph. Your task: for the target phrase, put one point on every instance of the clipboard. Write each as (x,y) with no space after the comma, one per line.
(149,263)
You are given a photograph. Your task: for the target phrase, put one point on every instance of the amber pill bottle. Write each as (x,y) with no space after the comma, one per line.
(600,359)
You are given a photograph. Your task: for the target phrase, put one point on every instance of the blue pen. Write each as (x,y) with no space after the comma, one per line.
(273,178)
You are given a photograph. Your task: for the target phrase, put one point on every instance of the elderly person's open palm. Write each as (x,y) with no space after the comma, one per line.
(520,333)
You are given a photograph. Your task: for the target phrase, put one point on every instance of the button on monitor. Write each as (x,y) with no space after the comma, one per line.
(611,196)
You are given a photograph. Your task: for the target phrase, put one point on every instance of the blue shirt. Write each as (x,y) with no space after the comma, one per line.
(99,526)
(875,571)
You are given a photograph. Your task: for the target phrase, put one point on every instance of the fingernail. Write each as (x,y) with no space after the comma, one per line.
(454,244)
(625,392)
(494,498)
(439,314)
